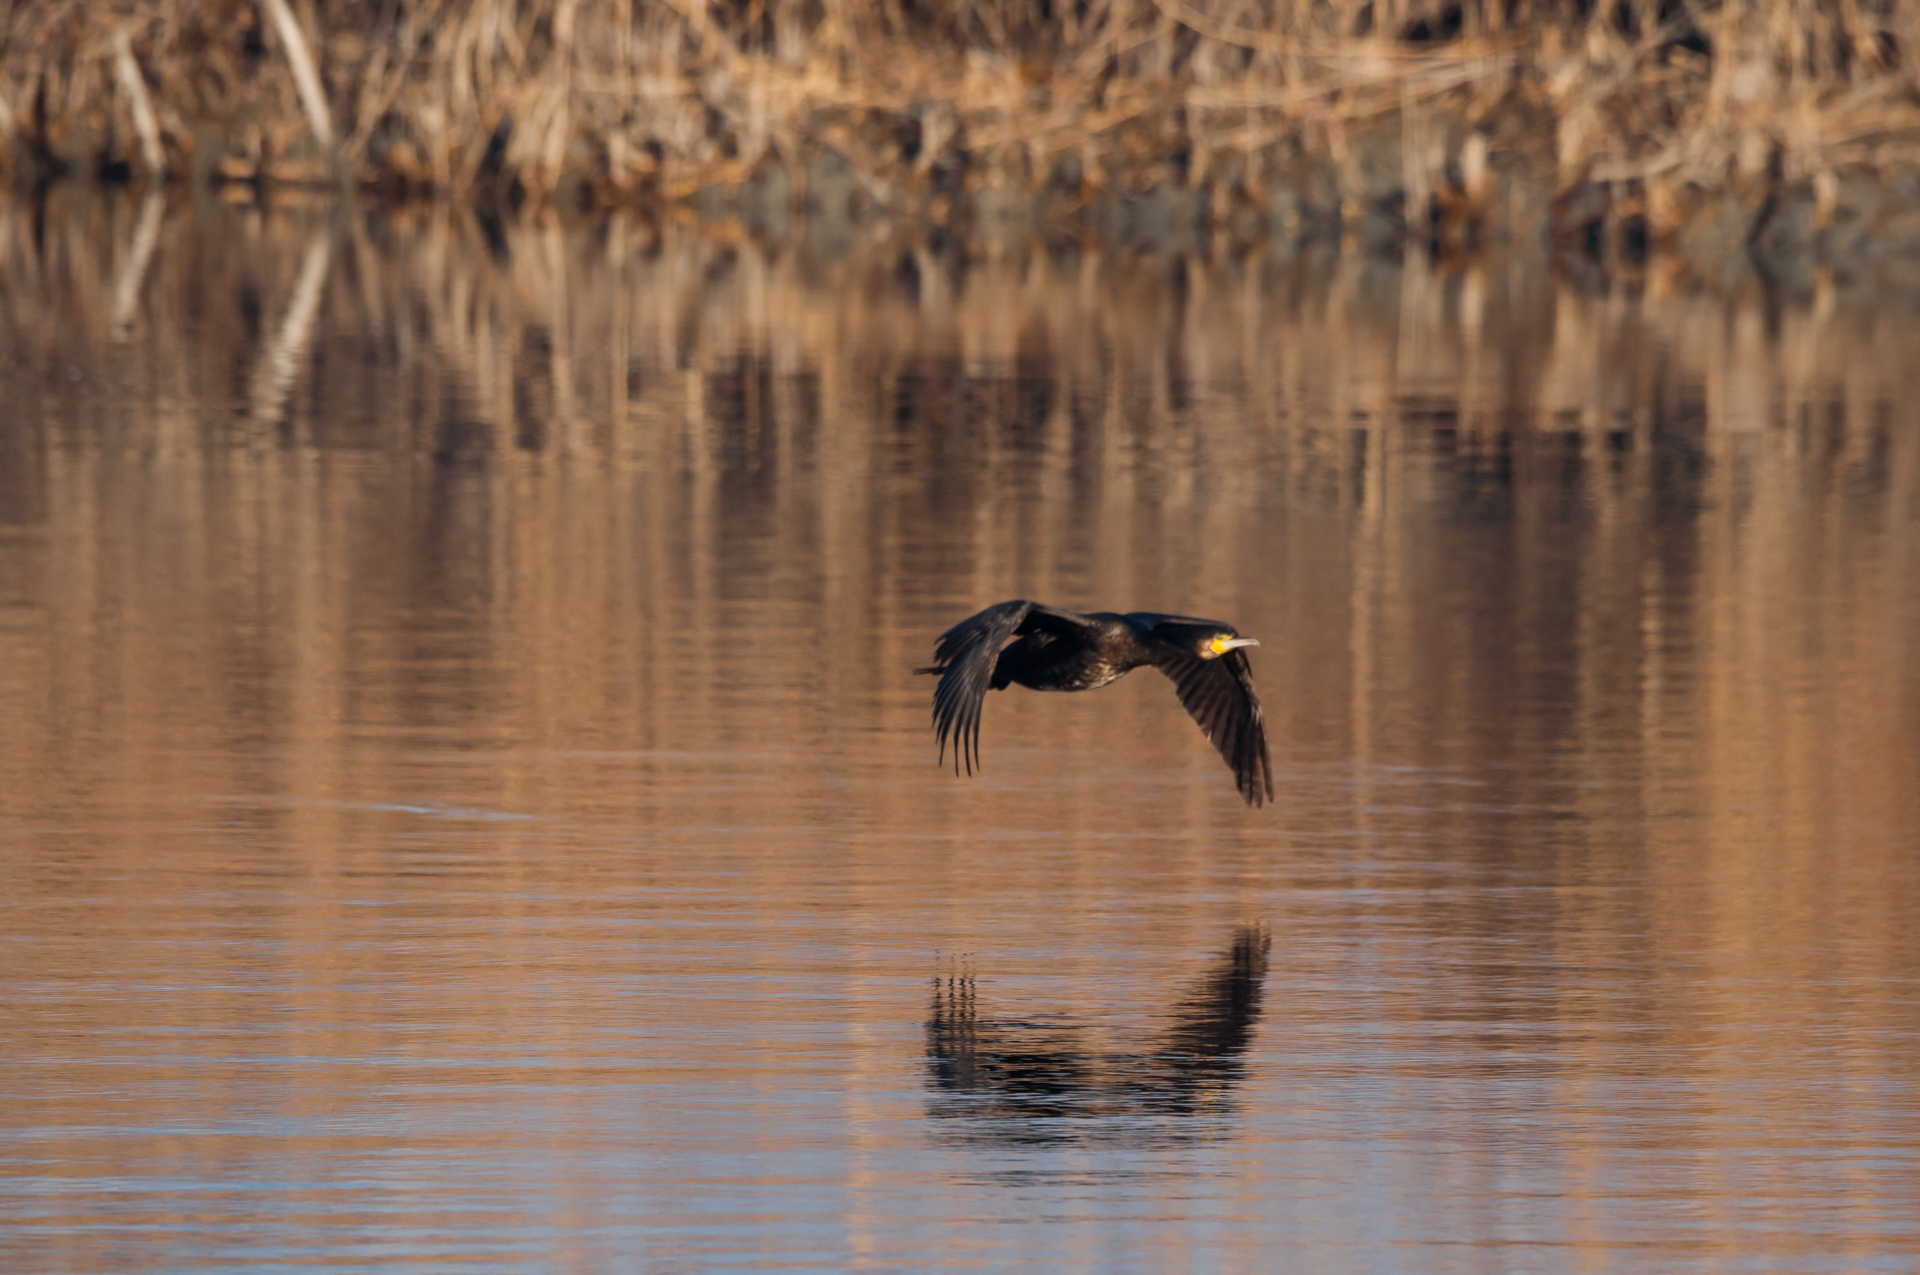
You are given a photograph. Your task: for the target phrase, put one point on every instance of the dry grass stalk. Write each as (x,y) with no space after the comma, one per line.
(142,109)
(305,78)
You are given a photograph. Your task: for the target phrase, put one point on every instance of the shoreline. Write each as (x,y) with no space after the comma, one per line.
(1786,241)
(1120,237)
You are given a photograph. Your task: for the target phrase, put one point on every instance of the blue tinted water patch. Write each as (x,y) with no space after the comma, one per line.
(432,810)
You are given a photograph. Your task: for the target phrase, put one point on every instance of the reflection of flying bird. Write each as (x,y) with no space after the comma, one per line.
(1063,651)
(1021,1077)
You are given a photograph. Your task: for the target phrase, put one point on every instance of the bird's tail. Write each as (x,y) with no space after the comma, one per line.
(935,669)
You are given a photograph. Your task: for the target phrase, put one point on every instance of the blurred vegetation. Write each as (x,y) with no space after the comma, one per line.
(936,104)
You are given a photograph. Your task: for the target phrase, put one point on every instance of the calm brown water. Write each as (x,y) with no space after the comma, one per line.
(464,803)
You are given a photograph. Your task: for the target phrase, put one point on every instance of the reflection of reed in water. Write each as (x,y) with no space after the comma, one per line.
(1648,494)
(1043,1080)
(280,361)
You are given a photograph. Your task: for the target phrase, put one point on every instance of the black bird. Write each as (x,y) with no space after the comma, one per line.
(1065,651)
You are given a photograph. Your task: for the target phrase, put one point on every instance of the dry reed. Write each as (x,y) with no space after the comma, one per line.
(939,104)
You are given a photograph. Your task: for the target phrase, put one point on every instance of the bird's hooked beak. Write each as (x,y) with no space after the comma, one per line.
(1222,644)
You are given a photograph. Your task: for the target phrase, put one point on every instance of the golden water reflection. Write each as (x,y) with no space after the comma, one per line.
(463,798)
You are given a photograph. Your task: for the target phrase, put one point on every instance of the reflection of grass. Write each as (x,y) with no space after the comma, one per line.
(930,99)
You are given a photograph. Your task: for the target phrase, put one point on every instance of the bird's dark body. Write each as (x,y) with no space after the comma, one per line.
(1042,661)
(1043,648)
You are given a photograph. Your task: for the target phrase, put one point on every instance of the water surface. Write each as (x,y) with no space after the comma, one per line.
(464,801)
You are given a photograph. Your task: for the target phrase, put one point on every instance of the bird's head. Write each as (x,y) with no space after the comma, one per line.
(1211,644)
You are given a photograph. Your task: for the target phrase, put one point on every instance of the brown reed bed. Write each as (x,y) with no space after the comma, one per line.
(1261,115)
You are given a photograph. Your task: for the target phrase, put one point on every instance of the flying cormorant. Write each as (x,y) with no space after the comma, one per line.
(1064,651)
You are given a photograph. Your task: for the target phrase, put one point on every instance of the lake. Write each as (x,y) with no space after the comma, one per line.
(466,803)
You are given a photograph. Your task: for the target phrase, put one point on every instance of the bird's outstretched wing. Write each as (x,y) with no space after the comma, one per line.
(1219,695)
(964,658)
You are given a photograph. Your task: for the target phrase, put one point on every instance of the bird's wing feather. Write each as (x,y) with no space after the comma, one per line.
(1154,619)
(964,658)
(1219,696)
(1046,619)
